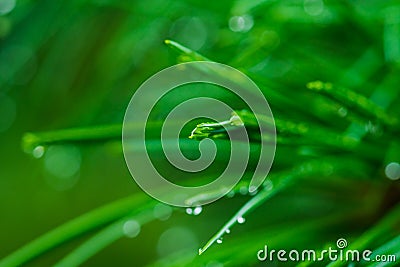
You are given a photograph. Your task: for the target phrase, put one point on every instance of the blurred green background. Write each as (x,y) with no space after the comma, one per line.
(76,63)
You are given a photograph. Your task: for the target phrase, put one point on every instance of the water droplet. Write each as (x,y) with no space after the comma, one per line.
(219,240)
(38,152)
(241,23)
(268,185)
(392,171)
(313,7)
(236,121)
(227,231)
(197,210)
(231,194)
(200,251)
(241,220)
(6,6)
(131,228)
(243,190)
(253,192)
(189,211)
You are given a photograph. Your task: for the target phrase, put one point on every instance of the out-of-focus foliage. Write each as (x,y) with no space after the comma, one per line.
(75,64)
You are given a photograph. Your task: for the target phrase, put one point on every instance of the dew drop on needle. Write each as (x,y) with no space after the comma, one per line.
(241,220)
(189,211)
(197,210)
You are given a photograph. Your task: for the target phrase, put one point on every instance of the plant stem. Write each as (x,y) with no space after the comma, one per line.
(96,133)
(73,228)
(188,54)
(355,101)
(256,201)
(104,238)
(270,188)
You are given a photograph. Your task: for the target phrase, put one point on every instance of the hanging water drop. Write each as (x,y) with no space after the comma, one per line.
(38,152)
(219,240)
(243,190)
(241,220)
(189,211)
(194,211)
(231,194)
(197,210)
(227,231)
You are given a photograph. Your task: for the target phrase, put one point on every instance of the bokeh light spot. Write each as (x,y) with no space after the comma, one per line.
(190,31)
(6,6)
(242,23)
(63,161)
(167,244)
(313,7)
(392,171)
(131,228)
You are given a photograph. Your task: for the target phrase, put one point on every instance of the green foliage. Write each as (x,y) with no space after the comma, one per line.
(329,70)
